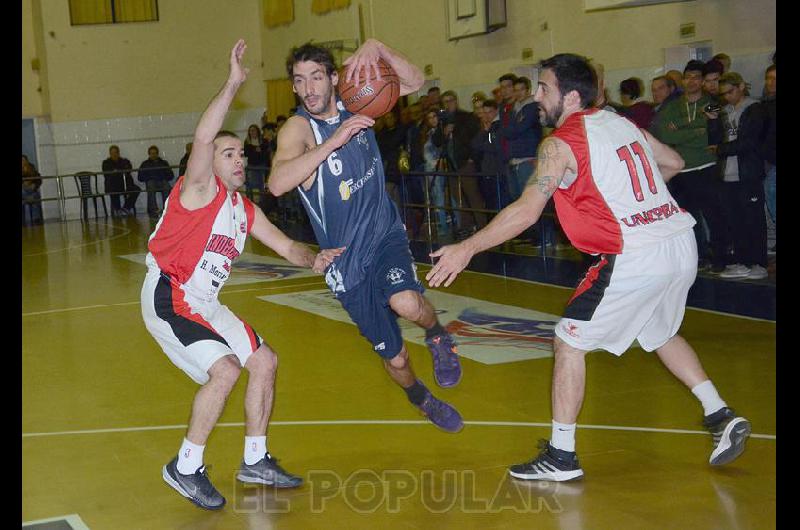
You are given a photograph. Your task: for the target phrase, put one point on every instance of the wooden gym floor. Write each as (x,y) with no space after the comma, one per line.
(103,409)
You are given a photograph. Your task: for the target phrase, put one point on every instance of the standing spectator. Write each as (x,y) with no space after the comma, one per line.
(677,78)
(156,174)
(768,151)
(682,124)
(184,160)
(664,90)
(256,150)
(491,156)
(432,158)
(743,174)
(724,60)
(119,181)
(505,108)
(639,111)
(390,139)
(712,70)
(458,129)
(603,101)
(477,102)
(30,191)
(434,97)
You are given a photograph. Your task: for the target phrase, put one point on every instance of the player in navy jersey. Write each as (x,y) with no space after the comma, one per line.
(332,158)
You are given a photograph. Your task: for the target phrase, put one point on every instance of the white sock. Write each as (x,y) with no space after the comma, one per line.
(709,397)
(190,457)
(563,436)
(255,447)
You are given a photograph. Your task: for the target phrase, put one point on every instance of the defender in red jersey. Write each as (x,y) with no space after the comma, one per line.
(201,232)
(608,180)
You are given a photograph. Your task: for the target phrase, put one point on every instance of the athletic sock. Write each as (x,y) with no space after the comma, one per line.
(708,396)
(255,447)
(563,436)
(416,393)
(190,457)
(437,329)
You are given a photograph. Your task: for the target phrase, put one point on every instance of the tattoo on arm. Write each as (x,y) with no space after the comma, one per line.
(546,184)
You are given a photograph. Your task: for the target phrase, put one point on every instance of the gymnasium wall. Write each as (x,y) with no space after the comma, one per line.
(627,41)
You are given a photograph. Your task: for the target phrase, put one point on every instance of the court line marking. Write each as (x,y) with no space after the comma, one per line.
(137,302)
(525,280)
(385,422)
(125,233)
(73,519)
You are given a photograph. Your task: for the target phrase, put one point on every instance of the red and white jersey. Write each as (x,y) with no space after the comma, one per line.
(195,248)
(618,200)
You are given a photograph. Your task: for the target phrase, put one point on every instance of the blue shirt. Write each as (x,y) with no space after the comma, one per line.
(348,205)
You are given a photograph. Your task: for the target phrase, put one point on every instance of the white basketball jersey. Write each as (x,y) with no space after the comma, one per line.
(618,200)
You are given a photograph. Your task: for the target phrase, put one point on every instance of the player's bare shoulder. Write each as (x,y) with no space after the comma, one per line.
(554,158)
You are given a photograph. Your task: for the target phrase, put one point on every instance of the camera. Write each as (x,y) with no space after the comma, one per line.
(444,117)
(712,107)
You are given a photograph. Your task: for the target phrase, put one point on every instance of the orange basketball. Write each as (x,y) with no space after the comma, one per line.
(376,97)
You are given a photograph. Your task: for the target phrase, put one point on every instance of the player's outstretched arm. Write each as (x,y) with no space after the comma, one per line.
(554,159)
(295,163)
(294,251)
(668,160)
(199,173)
(363,64)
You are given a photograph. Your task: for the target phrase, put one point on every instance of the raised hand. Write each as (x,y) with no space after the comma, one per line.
(364,59)
(452,260)
(349,128)
(238,73)
(324,258)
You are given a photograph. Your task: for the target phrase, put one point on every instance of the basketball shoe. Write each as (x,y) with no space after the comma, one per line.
(267,471)
(552,464)
(195,487)
(446,366)
(729,432)
(441,414)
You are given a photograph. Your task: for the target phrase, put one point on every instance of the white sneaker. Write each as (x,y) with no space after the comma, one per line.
(736,270)
(757,272)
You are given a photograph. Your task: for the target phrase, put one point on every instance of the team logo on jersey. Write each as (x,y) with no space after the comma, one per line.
(395,275)
(362,139)
(380,347)
(334,279)
(242,227)
(570,329)
(344,189)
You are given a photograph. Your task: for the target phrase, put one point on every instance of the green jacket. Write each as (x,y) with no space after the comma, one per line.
(690,139)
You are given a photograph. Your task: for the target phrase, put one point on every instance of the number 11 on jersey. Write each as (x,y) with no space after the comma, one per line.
(625,155)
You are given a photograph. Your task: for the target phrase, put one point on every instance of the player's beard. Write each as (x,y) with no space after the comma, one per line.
(324,103)
(550,118)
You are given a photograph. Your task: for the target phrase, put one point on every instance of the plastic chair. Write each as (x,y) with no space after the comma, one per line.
(86,183)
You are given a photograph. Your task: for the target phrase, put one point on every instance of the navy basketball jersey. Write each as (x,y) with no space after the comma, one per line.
(348,205)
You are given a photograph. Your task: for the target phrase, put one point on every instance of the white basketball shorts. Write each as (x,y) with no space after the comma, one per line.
(638,295)
(193,334)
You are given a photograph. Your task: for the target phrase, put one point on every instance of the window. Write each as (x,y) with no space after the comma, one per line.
(83,12)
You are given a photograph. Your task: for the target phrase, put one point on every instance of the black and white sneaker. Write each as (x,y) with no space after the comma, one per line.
(730,433)
(195,487)
(267,471)
(552,464)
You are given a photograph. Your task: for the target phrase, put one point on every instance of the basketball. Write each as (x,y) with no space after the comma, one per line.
(374,99)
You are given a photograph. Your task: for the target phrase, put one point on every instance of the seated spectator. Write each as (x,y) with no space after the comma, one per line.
(639,111)
(120,182)
(742,175)
(711,72)
(156,174)
(30,191)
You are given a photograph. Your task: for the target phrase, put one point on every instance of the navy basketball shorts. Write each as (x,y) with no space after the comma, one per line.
(392,270)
